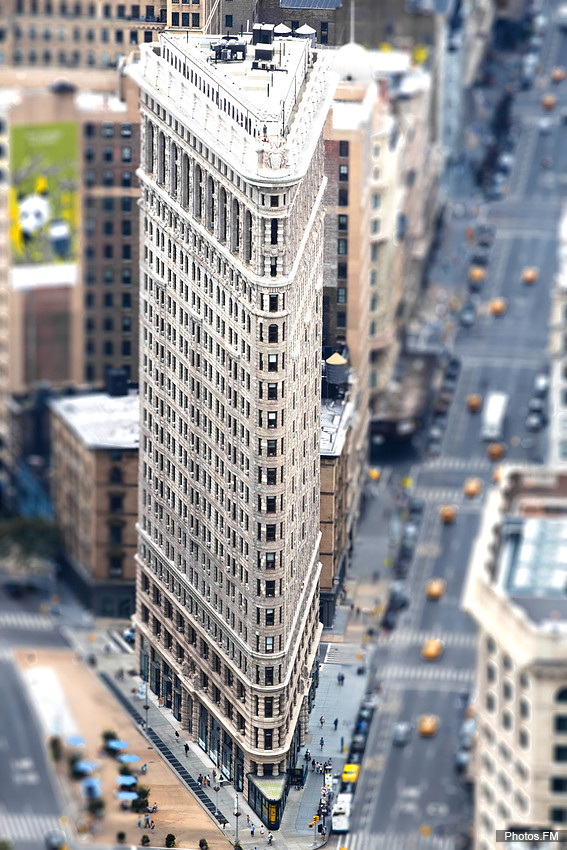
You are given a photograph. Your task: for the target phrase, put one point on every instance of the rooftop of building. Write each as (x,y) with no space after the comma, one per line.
(336,415)
(101,421)
(260,99)
(532,561)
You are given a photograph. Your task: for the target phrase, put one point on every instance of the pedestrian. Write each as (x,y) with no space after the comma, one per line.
(152,825)
(221,780)
(140,822)
(146,821)
(208,780)
(247,820)
(322,742)
(144,768)
(214,775)
(322,720)
(313,765)
(252,829)
(336,723)
(308,754)
(176,734)
(262,829)
(186,749)
(200,780)
(338,679)
(270,837)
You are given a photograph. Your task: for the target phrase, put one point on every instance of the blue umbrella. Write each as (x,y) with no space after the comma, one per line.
(75,741)
(91,787)
(116,744)
(126,780)
(128,757)
(126,796)
(85,766)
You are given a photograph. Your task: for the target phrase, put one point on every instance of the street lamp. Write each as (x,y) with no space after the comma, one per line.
(146,705)
(236,815)
(216,789)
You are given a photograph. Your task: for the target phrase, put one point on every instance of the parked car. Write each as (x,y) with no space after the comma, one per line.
(129,636)
(415,509)
(401,567)
(545,125)
(358,744)
(449,385)
(480,258)
(534,422)
(433,448)
(485,235)
(462,760)
(435,434)
(541,386)
(453,368)
(389,620)
(537,405)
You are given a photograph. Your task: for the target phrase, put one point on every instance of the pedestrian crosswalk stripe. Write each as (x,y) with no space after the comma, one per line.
(458,464)
(450,639)
(396,840)
(22,620)
(427,671)
(27,827)
(343,653)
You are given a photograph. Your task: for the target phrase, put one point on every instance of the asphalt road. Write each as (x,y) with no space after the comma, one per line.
(403,790)
(29,804)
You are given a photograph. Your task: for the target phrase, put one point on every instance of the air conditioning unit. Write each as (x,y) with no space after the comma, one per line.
(180,660)
(180,628)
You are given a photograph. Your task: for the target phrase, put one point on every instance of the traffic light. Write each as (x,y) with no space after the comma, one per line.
(311,825)
(315,818)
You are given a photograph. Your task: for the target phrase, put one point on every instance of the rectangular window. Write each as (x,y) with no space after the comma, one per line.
(560,753)
(268,706)
(270,560)
(343,173)
(342,222)
(272,362)
(269,676)
(271,504)
(269,644)
(270,532)
(270,588)
(341,295)
(115,533)
(116,504)
(272,448)
(342,247)
(175,19)
(271,475)
(268,734)
(270,617)
(342,271)
(273,304)
(561,723)
(195,19)
(376,201)
(343,148)
(341,320)
(272,419)
(228,21)
(343,197)
(272,391)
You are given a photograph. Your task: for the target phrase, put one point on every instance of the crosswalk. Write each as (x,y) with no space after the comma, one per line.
(413,636)
(396,841)
(448,496)
(24,620)
(27,827)
(458,464)
(343,653)
(429,672)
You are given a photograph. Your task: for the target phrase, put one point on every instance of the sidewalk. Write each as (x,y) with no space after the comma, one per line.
(346,649)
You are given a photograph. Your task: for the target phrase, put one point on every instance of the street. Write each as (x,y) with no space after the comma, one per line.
(412,797)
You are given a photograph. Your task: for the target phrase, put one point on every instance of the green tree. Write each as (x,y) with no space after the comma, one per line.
(24,537)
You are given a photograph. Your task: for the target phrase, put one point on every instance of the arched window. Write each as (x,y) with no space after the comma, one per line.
(197,191)
(149,147)
(210,203)
(561,696)
(222,215)
(173,169)
(247,236)
(184,199)
(235,226)
(273,333)
(161,159)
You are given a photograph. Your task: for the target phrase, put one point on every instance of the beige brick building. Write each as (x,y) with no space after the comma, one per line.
(94,484)
(516,593)
(232,223)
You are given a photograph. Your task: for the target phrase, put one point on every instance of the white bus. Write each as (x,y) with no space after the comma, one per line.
(493,416)
(340,815)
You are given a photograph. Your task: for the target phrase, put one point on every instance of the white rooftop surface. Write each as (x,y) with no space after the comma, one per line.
(99,101)
(335,420)
(262,120)
(101,421)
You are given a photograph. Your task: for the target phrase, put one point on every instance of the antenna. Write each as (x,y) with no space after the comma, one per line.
(352,10)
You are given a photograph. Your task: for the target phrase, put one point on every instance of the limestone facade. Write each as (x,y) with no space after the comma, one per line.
(230,312)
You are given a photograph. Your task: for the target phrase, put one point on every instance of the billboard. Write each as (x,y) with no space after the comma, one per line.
(44,204)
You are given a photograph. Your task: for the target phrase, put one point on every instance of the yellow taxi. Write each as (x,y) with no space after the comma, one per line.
(477,274)
(427,725)
(497,475)
(549,102)
(435,588)
(498,306)
(350,772)
(495,451)
(432,649)
(530,275)
(447,514)
(472,487)
(474,403)
(558,74)
(374,474)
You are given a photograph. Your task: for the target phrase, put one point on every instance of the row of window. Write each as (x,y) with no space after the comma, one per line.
(108,154)
(77,35)
(108,252)
(108,348)
(108,301)
(71,60)
(109,178)
(108,276)
(192,19)
(77,10)
(107,130)
(108,227)
(108,327)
